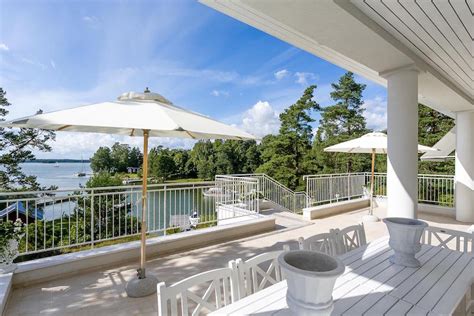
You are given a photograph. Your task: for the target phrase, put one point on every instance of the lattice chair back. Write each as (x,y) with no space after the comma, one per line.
(324,242)
(449,238)
(199,294)
(349,238)
(259,272)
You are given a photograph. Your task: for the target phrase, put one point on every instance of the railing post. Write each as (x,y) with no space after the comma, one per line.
(330,189)
(257,196)
(92,219)
(165,209)
(348,186)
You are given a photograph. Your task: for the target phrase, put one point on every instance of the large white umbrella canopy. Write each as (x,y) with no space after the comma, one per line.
(373,143)
(130,115)
(135,114)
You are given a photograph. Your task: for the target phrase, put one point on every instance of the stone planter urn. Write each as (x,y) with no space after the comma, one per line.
(310,276)
(405,235)
(7,255)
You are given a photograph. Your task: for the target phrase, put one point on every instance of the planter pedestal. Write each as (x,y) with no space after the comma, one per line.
(405,235)
(310,276)
(8,254)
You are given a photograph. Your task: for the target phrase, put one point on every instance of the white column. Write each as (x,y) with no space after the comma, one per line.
(402,132)
(465,166)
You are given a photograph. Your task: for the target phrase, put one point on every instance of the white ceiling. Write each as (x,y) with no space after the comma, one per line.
(441,32)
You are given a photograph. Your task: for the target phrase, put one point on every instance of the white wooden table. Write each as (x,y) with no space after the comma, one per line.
(372,285)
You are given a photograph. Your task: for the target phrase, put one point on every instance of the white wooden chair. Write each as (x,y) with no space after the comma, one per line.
(449,238)
(324,242)
(454,240)
(349,238)
(200,294)
(259,272)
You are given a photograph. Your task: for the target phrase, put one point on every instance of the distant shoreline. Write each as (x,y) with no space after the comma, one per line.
(58,161)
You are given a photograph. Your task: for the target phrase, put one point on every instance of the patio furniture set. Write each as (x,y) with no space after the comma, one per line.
(370,284)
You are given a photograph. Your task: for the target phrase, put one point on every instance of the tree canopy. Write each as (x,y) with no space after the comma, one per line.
(296,150)
(17,146)
(283,154)
(340,122)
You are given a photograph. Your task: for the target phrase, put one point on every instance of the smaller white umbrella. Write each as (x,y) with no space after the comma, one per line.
(371,143)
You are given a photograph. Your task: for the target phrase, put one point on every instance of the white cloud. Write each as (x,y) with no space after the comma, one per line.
(376,113)
(4,47)
(90,19)
(260,120)
(53,64)
(303,77)
(218,93)
(33,62)
(281,74)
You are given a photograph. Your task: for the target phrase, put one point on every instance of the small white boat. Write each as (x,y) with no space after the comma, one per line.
(215,192)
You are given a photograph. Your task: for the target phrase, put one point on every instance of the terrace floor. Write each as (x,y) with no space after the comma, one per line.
(103,292)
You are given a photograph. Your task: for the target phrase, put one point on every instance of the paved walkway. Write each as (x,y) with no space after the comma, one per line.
(102,292)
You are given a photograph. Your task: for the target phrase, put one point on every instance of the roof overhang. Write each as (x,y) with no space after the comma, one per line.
(371,37)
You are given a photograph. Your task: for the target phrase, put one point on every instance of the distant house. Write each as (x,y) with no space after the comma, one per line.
(18,210)
(132,169)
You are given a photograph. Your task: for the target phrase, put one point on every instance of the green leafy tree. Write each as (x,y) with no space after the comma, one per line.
(226,156)
(340,122)
(135,158)
(203,160)
(120,157)
(103,179)
(181,161)
(432,126)
(16,146)
(102,160)
(161,164)
(284,154)
(250,157)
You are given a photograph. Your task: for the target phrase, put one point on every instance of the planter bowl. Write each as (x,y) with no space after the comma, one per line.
(310,276)
(405,235)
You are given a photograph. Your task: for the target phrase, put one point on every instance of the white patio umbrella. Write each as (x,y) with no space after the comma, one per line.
(134,114)
(373,143)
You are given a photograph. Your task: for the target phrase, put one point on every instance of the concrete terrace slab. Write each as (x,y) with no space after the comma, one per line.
(102,292)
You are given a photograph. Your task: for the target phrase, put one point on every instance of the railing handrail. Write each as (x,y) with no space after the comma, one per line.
(118,187)
(271,179)
(375,173)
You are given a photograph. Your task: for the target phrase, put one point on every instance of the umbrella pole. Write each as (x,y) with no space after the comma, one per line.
(144,205)
(143,285)
(372,184)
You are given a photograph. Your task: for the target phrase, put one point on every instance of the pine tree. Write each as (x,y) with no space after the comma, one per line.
(283,155)
(16,146)
(340,122)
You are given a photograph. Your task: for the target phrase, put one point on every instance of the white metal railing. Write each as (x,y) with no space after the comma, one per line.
(236,196)
(272,190)
(329,188)
(59,219)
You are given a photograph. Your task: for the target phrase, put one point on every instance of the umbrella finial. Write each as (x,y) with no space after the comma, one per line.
(146,90)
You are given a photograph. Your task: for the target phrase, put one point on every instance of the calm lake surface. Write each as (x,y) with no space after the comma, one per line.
(62,175)
(178,202)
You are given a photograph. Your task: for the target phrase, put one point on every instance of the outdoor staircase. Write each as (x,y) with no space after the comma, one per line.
(279,194)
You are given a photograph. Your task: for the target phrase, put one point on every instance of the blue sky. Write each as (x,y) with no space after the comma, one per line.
(59,54)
